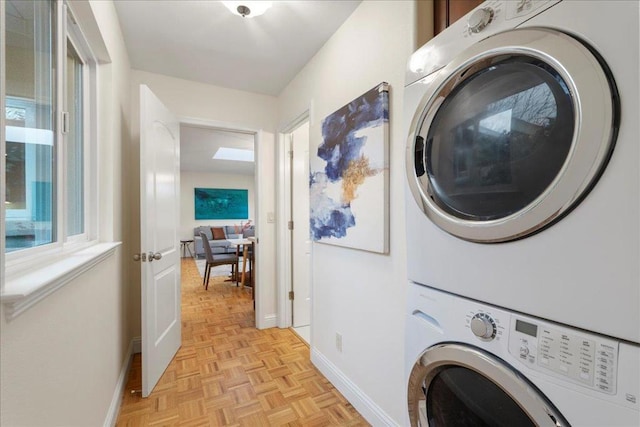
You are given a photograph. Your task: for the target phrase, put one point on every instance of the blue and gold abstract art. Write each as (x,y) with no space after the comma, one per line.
(349,178)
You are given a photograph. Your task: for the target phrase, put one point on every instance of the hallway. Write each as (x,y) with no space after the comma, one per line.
(227,373)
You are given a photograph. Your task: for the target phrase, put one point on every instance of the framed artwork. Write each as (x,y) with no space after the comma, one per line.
(349,177)
(221,203)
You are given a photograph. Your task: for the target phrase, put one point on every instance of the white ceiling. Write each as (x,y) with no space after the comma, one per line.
(198,145)
(202,41)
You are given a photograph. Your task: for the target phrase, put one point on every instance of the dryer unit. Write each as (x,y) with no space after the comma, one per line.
(522,161)
(469,363)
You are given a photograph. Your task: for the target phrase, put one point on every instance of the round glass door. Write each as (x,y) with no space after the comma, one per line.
(460,397)
(499,139)
(512,138)
(453,385)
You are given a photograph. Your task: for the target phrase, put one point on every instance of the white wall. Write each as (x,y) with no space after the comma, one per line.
(191,180)
(60,360)
(358,294)
(199,103)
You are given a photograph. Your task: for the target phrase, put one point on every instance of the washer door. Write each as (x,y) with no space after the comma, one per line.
(511,135)
(456,385)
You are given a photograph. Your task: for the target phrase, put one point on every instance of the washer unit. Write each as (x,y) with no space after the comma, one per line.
(522,161)
(469,363)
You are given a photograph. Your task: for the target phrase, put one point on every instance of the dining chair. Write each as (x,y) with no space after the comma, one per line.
(214,261)
(251,232)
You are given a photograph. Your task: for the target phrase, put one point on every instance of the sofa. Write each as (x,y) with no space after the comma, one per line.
(220,245)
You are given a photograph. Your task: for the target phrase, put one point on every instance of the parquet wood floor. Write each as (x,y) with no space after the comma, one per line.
(228,373)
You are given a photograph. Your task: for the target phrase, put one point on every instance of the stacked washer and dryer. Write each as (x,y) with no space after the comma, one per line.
(523,205)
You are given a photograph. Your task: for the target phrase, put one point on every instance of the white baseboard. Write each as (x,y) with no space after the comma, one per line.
(365,406)
(112,414)
(269,321)
(137,345)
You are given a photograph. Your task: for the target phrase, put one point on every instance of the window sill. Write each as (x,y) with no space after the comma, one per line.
(24,291)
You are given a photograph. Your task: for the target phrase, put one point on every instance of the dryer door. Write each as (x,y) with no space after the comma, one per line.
(456,385)
(511,135)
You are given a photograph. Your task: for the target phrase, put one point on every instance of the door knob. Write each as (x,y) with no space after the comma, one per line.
(140,257)
(155,256)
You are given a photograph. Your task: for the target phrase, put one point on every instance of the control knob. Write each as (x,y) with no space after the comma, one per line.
(483,326)
(479,19)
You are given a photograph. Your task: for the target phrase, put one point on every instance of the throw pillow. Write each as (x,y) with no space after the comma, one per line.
(218,233)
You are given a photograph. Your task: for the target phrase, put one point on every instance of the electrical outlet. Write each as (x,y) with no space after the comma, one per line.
(339,342)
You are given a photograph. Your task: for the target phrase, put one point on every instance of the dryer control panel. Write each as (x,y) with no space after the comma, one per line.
(488,19)
(588,360)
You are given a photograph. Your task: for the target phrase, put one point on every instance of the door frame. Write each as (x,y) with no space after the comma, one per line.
(283,209)
(257,137)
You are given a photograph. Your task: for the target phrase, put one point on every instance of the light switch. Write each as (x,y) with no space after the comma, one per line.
(271,217)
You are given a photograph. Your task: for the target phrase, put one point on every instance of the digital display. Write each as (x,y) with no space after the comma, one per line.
(527,328)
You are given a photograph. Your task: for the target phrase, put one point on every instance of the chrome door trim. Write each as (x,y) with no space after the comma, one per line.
(437,358)
(595,105)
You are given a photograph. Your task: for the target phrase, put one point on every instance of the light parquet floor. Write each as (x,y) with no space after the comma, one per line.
(227,373)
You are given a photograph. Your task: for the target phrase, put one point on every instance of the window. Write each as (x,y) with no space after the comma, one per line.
(49,76)
(30,139)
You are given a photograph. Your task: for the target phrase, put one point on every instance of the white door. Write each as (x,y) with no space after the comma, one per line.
(301,241)
(159,218)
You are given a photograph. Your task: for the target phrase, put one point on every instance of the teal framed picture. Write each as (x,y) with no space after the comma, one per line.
(221,203)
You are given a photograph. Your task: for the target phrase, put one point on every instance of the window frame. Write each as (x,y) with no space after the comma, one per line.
(18,263)
(75,37)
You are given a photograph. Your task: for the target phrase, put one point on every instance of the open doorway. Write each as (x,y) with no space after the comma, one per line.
(218,191)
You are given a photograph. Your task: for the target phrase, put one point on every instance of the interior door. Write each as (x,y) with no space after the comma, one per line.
(301,242)
(159,204)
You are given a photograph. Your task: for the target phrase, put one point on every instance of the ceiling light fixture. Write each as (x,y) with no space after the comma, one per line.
(248,9)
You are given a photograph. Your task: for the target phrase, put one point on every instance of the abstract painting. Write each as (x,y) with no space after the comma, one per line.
(349,178)
(221,203)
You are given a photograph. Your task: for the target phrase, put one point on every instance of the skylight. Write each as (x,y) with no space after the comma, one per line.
(237,154)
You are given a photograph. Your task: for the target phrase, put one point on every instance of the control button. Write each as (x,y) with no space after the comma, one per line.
(483,326)
(524,352)
(479,19)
